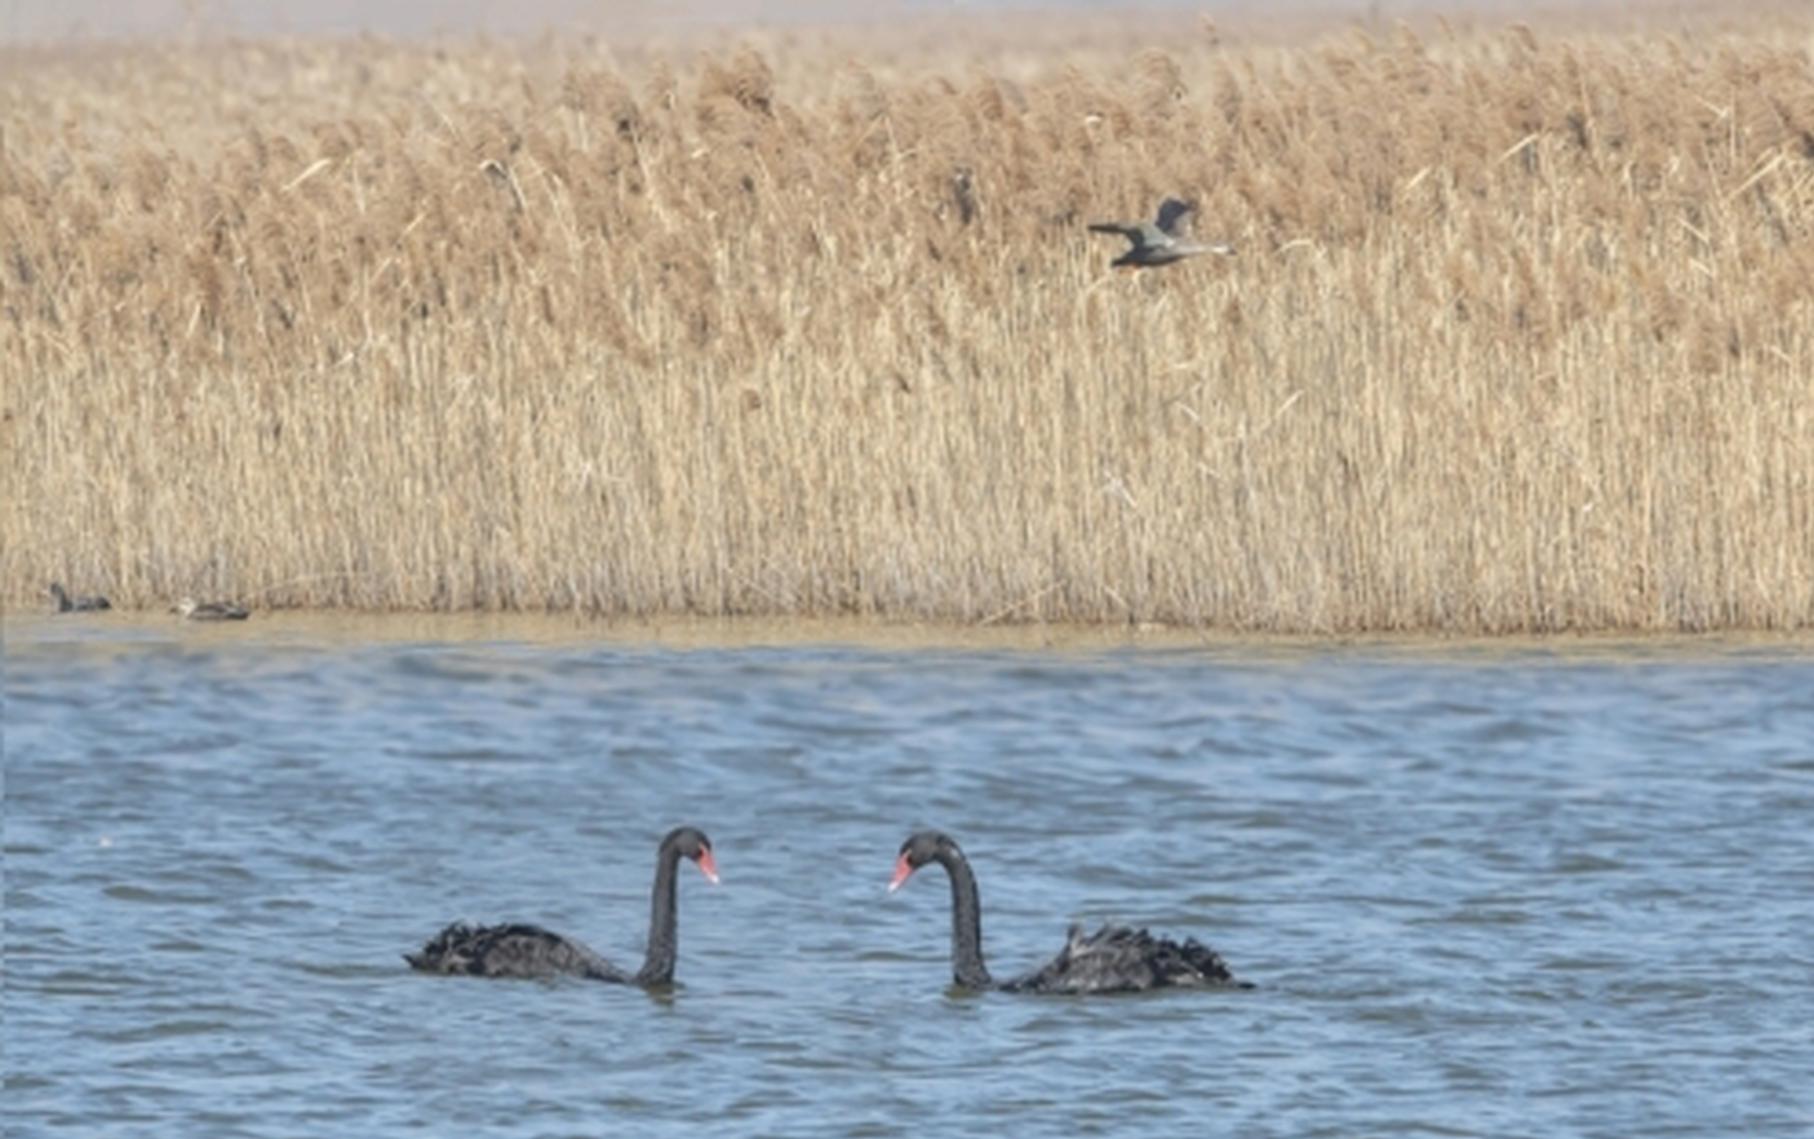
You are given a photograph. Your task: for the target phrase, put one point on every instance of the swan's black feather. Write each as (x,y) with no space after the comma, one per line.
(1119,959)
(513,950)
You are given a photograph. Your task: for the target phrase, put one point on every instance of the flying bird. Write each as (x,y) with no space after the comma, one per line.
(1161,241)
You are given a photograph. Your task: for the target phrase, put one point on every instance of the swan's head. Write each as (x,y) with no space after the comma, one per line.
(917,851)
(691,843)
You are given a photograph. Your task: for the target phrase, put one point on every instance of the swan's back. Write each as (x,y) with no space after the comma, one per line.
(1118,959)
(514,950)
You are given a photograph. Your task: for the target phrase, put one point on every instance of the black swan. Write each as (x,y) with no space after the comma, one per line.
(67,604)
(1114,959)
(518,950)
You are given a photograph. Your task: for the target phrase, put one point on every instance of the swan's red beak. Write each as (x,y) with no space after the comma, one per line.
(708,866)
(903,870)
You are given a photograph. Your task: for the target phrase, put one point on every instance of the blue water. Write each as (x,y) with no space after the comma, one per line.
(1533,890)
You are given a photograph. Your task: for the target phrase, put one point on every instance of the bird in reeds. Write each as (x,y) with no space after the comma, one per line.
(193,610)
(68,604)
(1163,240)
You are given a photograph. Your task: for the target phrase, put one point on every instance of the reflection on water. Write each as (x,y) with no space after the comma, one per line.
(1544,889)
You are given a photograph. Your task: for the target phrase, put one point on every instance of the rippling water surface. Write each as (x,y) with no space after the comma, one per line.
(1541,890)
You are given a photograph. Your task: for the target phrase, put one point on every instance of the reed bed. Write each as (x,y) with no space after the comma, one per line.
(1519,338)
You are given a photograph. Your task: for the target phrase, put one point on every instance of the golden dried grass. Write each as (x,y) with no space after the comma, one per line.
(1520,336)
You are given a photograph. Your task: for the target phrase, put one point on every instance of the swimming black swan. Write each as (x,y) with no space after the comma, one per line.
(518,950)
(1114,959)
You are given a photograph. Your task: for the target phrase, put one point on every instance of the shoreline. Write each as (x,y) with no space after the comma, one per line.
(305,627)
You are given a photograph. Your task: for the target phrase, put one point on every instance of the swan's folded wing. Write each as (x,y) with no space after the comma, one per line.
(515,950)
(439,950)
(530,951)
(1100,962)
(1190,962)
(1120,959)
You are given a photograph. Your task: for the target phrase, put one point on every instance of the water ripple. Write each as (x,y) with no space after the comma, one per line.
(1535,891)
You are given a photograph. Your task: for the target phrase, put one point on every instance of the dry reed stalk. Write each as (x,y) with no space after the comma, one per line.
(1520,338)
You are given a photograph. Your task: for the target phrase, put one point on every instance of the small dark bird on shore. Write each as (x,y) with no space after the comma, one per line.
(68,604)
(1162,241)
(193,610)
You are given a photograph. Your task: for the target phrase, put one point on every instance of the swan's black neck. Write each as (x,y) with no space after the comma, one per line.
(966,922)
(664,938)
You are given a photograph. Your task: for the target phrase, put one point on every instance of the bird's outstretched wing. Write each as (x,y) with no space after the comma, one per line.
(1174,217)
(1131,232)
